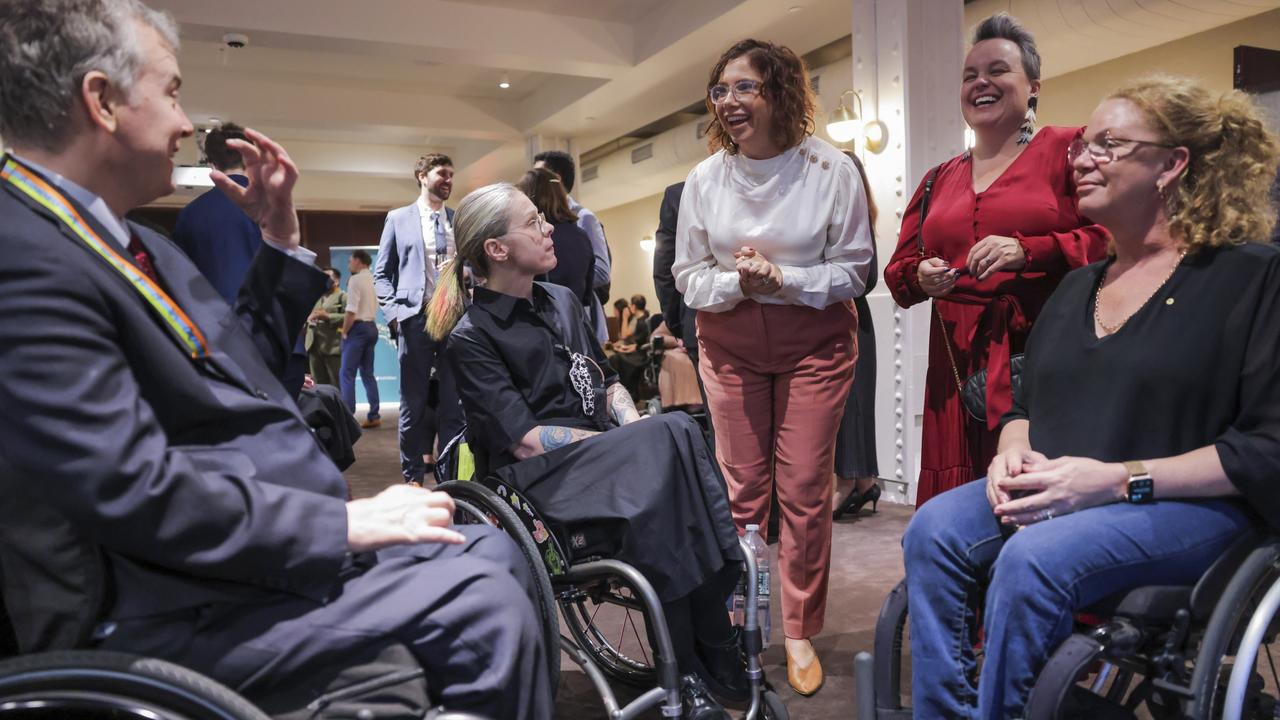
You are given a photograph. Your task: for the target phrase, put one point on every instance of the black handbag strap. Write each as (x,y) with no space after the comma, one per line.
(924,205)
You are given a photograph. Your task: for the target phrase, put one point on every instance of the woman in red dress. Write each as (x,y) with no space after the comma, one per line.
(1002,229)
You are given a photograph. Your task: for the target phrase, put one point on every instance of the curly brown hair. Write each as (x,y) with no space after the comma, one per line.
(1223,196)
(786,88)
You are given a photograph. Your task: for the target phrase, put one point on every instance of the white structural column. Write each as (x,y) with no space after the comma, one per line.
(907,58)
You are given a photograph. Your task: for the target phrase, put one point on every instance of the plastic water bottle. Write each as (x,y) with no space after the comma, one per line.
(761,550)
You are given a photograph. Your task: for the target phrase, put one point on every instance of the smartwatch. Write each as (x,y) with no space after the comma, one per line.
(1141,489)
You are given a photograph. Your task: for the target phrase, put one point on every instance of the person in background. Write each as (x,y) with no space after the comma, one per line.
(629,352)
(324,336)
(772,244)
(621,315)
(562,164)
(1002,230)
(417,240)
(1144,437)
(360,338)
(575,263)
(218,236)
(856,468)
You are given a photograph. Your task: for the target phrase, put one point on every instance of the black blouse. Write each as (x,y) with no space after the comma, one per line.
(511,359)
(1197,365)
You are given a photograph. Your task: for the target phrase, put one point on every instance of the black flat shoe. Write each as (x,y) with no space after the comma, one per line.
(855,501)
(696,701)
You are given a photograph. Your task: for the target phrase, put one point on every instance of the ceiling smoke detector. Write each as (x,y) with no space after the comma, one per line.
(235,41)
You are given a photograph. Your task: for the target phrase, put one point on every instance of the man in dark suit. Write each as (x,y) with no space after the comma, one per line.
(417,240)
(218,237)
(144,421)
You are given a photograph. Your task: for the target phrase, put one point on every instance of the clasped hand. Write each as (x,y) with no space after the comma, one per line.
(1025,487)
(755,273)
(990,255)
(268,199)
(401,515)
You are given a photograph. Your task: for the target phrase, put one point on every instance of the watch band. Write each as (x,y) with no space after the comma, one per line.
(1141,488)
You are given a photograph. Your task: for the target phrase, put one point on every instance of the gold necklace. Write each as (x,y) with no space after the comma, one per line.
(1097,298)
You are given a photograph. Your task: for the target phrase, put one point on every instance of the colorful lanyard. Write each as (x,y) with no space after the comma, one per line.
(31,185)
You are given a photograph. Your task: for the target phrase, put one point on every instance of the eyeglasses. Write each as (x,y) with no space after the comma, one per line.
(741,90)
(1103,150)
(535,224)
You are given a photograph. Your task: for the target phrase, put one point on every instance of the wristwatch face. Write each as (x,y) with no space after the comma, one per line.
(1141,490)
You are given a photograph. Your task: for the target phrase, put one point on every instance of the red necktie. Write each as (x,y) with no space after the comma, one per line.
(142,258)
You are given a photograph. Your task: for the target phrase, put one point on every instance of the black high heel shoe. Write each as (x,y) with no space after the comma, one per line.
(855,501)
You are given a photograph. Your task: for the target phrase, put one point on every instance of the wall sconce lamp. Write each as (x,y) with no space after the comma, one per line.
(845,125)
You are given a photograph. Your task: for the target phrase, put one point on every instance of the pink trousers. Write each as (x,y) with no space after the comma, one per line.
(777,378)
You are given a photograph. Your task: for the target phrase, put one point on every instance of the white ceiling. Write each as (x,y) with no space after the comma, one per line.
(358,90)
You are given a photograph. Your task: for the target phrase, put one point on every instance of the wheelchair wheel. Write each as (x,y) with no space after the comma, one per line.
(1228,642)
(477,504)
(774,709)
(80,685)
(608,621)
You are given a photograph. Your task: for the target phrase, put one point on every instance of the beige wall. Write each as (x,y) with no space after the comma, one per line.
(624,226)
(1069,99)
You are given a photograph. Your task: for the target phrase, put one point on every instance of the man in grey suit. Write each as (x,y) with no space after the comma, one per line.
(147,446)
(417,240)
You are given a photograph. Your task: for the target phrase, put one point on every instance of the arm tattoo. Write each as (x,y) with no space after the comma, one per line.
(554,436)
(620,403)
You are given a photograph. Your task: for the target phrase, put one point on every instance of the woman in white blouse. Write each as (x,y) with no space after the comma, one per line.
(772,243)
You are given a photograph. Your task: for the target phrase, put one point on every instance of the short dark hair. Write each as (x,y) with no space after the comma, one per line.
(1003,26)
(619,304)
(428,161)
(560,163)
(330,271)
(786,86)
(215,147)
(363,257)
(546,190)
(638,301)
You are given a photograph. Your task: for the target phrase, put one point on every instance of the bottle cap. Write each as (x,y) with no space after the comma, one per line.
(753,528)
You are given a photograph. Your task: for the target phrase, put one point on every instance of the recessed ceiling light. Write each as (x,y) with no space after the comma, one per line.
(795,8)
(505,82)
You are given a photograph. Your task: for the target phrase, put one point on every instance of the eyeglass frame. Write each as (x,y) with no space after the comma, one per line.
(542,220)
(1080,145)
(733,90)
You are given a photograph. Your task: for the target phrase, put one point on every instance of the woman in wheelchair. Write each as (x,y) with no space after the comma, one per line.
(547,415)
(1146,434)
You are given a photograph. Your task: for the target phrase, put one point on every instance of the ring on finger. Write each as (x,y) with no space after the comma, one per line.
(1046,514)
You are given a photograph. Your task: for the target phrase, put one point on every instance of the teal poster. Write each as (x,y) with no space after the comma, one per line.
(386,366)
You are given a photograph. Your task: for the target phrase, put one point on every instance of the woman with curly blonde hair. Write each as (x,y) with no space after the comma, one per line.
(1145,437)
(772,244)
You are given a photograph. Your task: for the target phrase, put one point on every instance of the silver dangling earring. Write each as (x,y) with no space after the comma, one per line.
(1028,123)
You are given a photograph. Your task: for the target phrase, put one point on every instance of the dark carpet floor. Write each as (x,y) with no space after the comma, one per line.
(867,563)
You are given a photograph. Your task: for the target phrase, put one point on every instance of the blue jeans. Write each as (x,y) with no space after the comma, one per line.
(1034,581)
(357,353)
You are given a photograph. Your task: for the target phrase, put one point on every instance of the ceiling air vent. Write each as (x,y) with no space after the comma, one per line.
(590,172)
(644,152)
(813,83)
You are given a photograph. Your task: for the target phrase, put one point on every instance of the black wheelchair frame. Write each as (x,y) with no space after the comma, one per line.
(1180,651)
(564,583)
